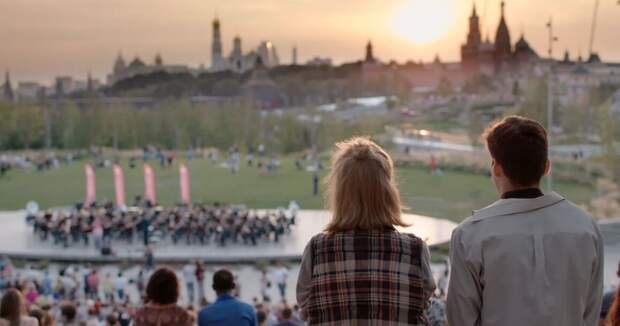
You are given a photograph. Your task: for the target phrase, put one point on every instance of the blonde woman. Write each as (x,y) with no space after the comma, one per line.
(361,270)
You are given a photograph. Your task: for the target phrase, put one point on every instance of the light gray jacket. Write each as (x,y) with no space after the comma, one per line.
(535,262)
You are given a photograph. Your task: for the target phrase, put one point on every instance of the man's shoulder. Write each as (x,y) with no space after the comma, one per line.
(567,214)
(244,305)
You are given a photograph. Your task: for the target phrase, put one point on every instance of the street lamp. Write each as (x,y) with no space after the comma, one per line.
(552,39)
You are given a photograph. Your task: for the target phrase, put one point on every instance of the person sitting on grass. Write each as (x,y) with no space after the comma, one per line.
(226,310)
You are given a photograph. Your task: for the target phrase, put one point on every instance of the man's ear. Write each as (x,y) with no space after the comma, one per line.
(496,169)
(548,167)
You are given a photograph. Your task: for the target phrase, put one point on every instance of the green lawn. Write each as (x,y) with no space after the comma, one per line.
(453,195)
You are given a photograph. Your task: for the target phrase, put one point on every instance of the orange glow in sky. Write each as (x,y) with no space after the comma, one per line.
(42,39)
(423,21)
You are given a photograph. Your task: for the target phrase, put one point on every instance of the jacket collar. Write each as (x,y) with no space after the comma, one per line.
(516,206)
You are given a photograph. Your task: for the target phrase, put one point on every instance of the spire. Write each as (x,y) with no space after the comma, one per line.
(474,13)
(503,46)
(90,87)
(158,60)
(369,56)
(216,46)
(7,89)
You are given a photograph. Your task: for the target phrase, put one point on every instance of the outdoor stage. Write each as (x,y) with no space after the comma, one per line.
(18,241)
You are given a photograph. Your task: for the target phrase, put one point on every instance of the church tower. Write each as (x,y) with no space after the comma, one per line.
(503,47)
(370,58)
(7,89)
(236,56)
(216,46)
(470,56)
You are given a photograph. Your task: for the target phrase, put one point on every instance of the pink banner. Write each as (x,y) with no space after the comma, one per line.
(119,185)
(149,184)
(184,177)
(91,192)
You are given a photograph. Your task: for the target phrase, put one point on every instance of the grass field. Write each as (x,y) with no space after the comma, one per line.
(453,195)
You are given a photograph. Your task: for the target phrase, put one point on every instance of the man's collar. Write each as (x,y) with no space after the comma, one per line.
(526,193)
(516,206)
(224,297)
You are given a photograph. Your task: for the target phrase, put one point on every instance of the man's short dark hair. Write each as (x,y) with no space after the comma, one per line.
(223,281)
(287,313)
(68,311)
(520,146)
(163,287)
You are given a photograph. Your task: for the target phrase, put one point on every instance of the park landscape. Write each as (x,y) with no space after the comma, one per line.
(452,195)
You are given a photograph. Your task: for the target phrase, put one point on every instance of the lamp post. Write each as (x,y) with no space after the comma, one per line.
(552,38)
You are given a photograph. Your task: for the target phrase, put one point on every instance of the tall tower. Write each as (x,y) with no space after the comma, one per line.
(216,46)
(369,55)
(294,56)
(90,85)
(7,89)
(474,37)
(119,65)
(470,56)
(503,47)
(236,56)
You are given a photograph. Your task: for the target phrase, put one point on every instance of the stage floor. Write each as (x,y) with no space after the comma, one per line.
(17,240)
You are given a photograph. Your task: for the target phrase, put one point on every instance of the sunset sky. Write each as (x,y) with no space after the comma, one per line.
(41,39)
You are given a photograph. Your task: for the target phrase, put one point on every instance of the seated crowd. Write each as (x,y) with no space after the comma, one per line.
(195,224)
(78,296)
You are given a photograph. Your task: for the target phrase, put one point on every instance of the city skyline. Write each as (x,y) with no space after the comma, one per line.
(43,39)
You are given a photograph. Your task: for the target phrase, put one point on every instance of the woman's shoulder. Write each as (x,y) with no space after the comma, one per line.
(371,236)
(409,237)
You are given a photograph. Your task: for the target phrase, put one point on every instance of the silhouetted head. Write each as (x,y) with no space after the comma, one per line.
(223,281)
(163,287)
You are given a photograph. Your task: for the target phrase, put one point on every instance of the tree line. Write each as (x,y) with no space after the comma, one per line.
(172,124)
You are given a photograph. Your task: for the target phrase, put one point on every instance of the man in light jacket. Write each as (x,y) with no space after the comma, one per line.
(530,258)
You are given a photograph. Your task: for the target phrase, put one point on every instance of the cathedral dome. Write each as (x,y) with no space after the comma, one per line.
(523,48)
(136,63)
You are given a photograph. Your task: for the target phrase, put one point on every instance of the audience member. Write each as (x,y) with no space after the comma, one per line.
(261,317)
(161,309)
(530,258)
(287,318)
(68,314)
(608,299)
(13,310)
(361,270)
(226,310)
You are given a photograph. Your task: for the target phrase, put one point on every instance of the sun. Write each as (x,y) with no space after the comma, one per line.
(424,21)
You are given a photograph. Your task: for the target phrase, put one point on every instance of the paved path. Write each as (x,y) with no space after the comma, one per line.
(18,240)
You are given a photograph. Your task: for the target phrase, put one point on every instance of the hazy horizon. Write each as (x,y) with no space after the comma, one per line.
(46,38)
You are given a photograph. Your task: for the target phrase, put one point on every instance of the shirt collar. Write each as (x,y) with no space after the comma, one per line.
(528,193)
(224,297)
(515,206)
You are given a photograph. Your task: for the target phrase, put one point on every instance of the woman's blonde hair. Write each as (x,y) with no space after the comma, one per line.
(361,190)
